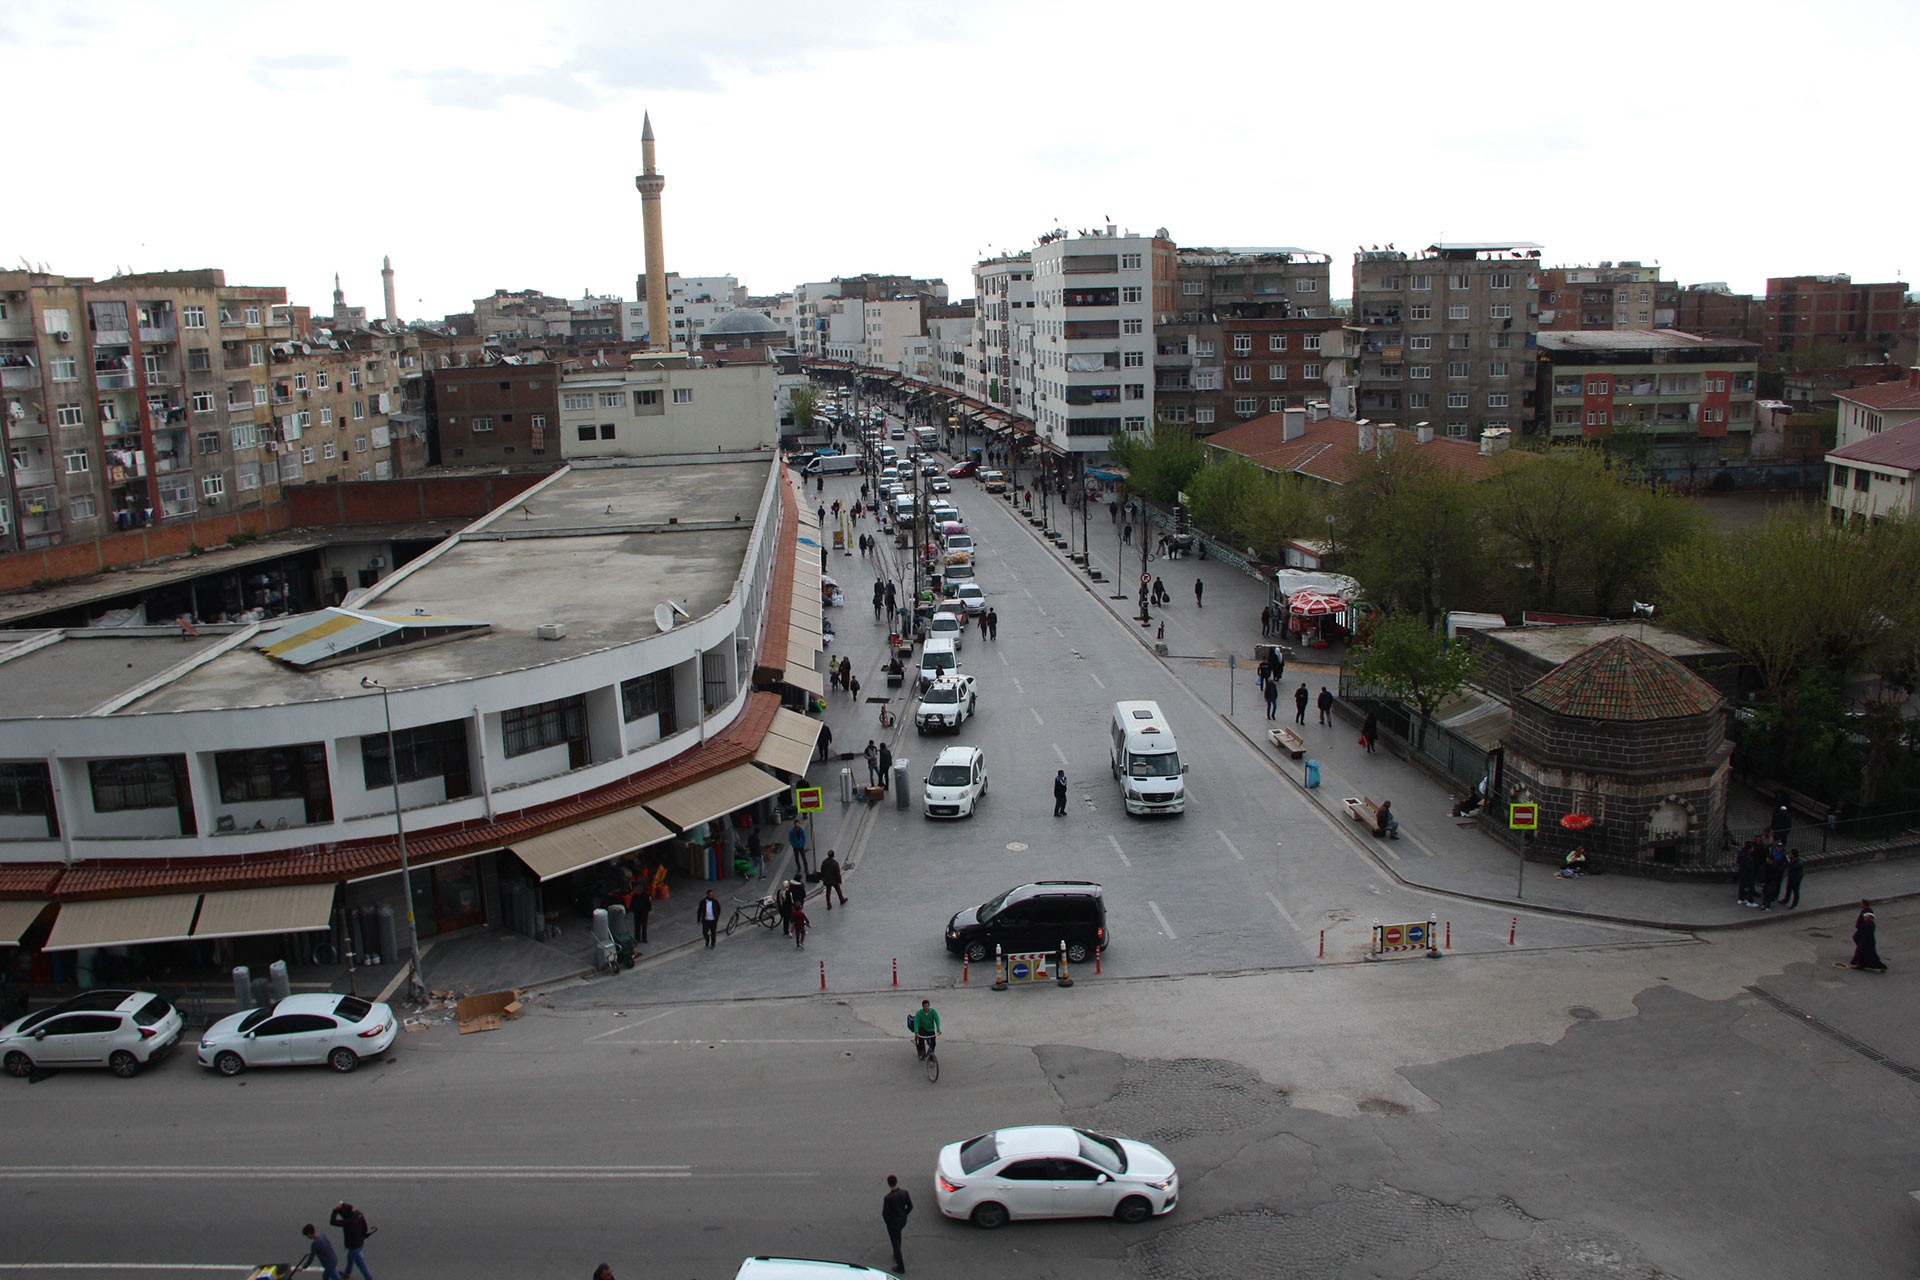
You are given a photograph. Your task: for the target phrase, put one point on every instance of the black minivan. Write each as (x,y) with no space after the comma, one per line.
(1034,917)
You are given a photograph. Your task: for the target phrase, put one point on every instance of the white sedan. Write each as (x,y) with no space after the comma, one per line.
(301,1030)
(1052,1171)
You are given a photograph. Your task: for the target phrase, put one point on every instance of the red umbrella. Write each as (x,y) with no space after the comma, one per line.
(1316,604)
(1576,821)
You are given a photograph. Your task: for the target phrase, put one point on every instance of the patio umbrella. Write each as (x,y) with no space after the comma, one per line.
(1316,604)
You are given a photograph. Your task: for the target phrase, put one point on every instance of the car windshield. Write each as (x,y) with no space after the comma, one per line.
(949,775)
(942,693)
(255,1018)
(993,907)
(1164,765)
(352,1009)
(945,624)
(938,661)
(979,1153)
(1098,1149)
(152,1011)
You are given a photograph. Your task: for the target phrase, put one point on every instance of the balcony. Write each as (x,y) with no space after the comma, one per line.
(1090,330)
(19,378)
(26,429)
(111,337)
(158,332)
(162,378)
(1089,264)
(1090,298)
(113,379)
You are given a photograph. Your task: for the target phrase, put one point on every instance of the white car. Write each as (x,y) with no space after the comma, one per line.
(939,484)
(301,1030)
(956,784)
(970,595)
(946,704)
(947,626)
(107,1027)
(806,1269)
(1052,1171)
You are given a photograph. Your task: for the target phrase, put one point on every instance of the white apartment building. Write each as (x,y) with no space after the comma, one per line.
(950,353)
(887,323)
(813,303)
(668,406)
(693,303)
(1003,289)
(1095,298)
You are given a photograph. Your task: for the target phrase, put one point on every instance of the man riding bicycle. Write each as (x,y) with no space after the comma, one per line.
(925,1025)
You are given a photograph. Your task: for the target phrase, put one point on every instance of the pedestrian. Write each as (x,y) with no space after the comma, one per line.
(707,912)
(640,903)
(894,1208)
(1795,870)
(1385,825)
(821,513)
(853,687)
(1199,588)
(826,741)
(846,673)
(1771,876)
(893,598)
(830,879)
(1273,697)
(993,624)
(886,767)
(872,754)
(879,598)
(1326,705)
(1866,951)
(1369,731)
(319,1250)
(1160,593)
(1300,704)
(1113,509)
(1782,824)
(1126,534)
(1060,794)
(1745,865)
(603,1272)
(354,1232)
(1266,621)
(1279,663)
(797,837)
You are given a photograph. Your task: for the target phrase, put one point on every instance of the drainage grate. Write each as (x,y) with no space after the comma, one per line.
(1836,1035)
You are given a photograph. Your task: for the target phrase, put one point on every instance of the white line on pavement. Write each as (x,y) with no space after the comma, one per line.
(1016,686)
(1058,752)
(1230,846)
(1003,659)
(1118,850)
(789,1040)
(1161,917)
(1283,912)
(1036,716)
(1057,631)
(628,1026)
(1097,680)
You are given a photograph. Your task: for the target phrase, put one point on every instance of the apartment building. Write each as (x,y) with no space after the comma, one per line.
(693,303)
(661,405)
(335,398)
(1712,310)
(1626,295)
(1807,313)
(821,309)
(1694,395)
(1866,412)
(1095,298)
(1446,335)
(996,373)
(530,313)
(1245,339)
(503,413)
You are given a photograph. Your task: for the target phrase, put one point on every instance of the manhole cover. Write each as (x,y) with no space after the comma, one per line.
(1018,846)
(1583,1013)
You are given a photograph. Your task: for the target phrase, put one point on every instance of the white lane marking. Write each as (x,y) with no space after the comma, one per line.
(1036,716)
(1003,659)
(1283,912)
(1230,847)
(1161,917)
(1042,610)
(1016,686)
(1057,631)
(1118,850)
(1058,752)
(628,1026)
(1097,680)
(1028,594)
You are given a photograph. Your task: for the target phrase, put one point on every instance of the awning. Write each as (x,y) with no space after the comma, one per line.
(244,913)
(790,742)
(805,678)
(599,839)
(714,797)
(802,645)
(120,921)
(17,917)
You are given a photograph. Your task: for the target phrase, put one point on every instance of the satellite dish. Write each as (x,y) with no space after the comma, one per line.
(663,617)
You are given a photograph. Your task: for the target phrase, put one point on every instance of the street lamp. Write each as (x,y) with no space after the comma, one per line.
(416,985)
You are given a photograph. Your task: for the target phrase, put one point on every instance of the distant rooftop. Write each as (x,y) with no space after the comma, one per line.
(1898,448)
(1633,340)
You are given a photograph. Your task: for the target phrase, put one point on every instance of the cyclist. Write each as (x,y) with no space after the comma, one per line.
(925,1026)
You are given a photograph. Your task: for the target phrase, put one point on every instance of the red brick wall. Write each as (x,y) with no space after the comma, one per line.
(420,498)
(23,569)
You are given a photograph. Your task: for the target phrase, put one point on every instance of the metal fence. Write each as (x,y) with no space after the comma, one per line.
(1458,759)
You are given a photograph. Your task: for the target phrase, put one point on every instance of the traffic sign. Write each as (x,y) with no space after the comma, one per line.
(1145,578)
(1523,817)
(808,799)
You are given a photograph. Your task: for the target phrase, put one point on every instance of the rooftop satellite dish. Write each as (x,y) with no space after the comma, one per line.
(663,616)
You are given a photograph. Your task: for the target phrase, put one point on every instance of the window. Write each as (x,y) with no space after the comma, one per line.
(1192,288)
(1202,416)
(359,444)
(253,315)
(260,394)
(1419,311)
(1419,399)
(525,730)
(1456,368)
(1500,280)
(1276,373)
(1130,293)
(203,402)
(213,487)
(1136,391)
(478,425)
(429,752)
(77,461)
(1276,342)
(81,508)
(650,695)
(139,782)
(63,369)
(1501,311)
(199,360)
(306,455)
(1497,368)
(70,415)
(1460,280)
(256,354)
(1311,372)
(1420,284)
(329,450)
(1420,342)
(1420,372)
(576,400)
(1459,342)
(1128,262)
(270,773)
(1276,403)
(1242,344)
(1206,380)
(25,790)
(359,410)
(1457,311)
(1134,360)
(207,442)
(683,395)
(326,415)
(1456,399)
(1456,431)
(1497,400)
(613,399)
(243,436)
(1310,342)
(353,379)
(1134,423)
(606,431)
(299,382)
(1133,327)
(1246,406)
(193,317)
(1243,373)
(1306,286)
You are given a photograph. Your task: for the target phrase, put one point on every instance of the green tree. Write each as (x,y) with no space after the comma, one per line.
(806,402)
(1161,466)
(1408,660)
(1249,506)
(1409,532)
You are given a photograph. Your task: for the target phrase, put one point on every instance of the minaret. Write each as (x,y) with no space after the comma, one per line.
(650,184)
(386,283)
(339,298)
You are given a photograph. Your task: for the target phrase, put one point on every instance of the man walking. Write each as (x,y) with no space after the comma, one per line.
(1300,704)
(830,879)
(1199,589)
(707,912)
(319,1250)
(1326,705)
(1060,794)
(354,1231)
(894,1208)
(1273,697)
(797,837)
(1266,621)
(993,624)
(1795,870)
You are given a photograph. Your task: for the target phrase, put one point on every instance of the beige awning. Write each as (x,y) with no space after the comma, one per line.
(112,922)
(599,839)
(790,742)
(17,917)
(801,677)
(245,913)
(802,644)
(714,797)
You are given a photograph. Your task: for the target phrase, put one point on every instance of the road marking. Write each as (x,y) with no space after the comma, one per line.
(1058,752)
(1042,611)
(1283,912)
(1003,659)
(1161,917)
(1036,716)
(1016,685)
(1057,631)
(1028,594)
(628,1026)
(1118,850)
(1230,848)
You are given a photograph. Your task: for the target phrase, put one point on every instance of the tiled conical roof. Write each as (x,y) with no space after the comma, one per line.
(1621,678)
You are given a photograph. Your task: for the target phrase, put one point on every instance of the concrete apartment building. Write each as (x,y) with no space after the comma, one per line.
(1865,412)
(1873,470)
(1713,310)
(1245,337)
(1693,395)
(340,411)
(1863,321)
(817,305)
(1095,298)
(504,413)
(693,303)
(1626,295)
(529,313)
(661,405)
(1003,308)
(1446,335)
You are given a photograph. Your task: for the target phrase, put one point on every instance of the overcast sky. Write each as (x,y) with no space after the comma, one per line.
(494,145)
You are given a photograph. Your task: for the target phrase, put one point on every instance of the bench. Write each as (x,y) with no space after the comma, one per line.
(1363,810)
(1288,741)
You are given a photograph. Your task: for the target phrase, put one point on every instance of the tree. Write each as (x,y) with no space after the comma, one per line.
(1160,467)
(1409,661)
(806,401)
(1410,532)
(1249,506)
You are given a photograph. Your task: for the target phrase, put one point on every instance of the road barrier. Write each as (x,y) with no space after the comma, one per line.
(1404,939)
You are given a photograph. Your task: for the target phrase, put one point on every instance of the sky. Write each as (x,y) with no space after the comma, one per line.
(489,145)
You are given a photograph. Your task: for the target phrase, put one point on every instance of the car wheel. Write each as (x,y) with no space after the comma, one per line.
(19,1065)
(988,1216)
(123,1064)
(1134,1209)
(343,1059)
(229,1063)
(1078,952)
(976,952)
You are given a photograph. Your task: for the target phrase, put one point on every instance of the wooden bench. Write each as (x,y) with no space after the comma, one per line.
(1363,810)
(1288,741)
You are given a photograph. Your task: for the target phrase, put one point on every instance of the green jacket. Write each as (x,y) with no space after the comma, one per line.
(924,1022)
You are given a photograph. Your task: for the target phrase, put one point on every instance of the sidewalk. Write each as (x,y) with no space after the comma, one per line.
(1436,851)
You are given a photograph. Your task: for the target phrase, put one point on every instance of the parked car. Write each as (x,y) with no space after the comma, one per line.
(946,704)
(961,470)
(764,1268)
(1053,1171)
(946,626)
(1034,917)
(117,1029)
(301,1030)
(957,783)
(970,595)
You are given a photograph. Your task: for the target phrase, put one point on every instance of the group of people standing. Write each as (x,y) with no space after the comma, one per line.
(1768,873)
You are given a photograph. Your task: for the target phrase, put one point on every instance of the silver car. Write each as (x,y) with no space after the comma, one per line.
(301,1030)
(120,1030)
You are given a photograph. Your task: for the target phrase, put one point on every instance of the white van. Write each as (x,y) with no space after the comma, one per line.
(1146,760)
(836,464)
(938,658)
(903,508)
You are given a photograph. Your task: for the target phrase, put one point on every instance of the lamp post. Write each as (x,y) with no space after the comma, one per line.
(416,985)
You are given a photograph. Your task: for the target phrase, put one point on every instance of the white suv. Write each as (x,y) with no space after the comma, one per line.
(946,704)
(957,783)
(120,1030)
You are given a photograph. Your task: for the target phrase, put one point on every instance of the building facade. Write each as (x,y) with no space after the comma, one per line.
(1865,412)
(506,413)
(1692,396)
(1095,299)
(666,405)
(1003,308)
(1861,322)
(1609,296)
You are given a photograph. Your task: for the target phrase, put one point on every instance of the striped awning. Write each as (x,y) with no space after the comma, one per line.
(599,839)
(716,796)
(246,913)
(110,922)
(790,742)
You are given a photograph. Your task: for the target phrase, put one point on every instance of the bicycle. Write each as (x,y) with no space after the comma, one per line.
(928,1057)
(764,912)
